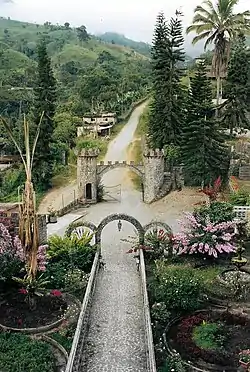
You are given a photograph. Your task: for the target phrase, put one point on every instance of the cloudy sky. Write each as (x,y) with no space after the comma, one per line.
(134,18)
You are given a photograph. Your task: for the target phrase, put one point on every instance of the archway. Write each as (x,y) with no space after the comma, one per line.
(88,191)
(156,225)
(119,217)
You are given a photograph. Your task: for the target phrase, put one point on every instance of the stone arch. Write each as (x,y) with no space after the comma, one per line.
(155,224)
(102,169)
(74,225)
(117,217)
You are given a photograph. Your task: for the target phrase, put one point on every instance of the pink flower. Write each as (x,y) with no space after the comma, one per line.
(23,291)
(56,293)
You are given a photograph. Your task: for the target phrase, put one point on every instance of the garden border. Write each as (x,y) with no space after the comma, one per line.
(46,328)
(151,363)
(74,360)
(190,365)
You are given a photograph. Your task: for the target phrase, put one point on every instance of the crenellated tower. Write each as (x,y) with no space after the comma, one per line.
(154,165)
(87,175)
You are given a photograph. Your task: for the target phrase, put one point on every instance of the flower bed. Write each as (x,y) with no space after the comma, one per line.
(215,338)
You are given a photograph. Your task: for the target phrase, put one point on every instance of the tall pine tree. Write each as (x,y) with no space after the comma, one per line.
(235,109)
(45,100)
(166,116)
(204,153)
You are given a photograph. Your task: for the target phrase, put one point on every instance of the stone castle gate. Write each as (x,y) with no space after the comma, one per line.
(156,182)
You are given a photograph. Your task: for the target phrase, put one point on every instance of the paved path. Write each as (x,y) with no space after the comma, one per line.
(116,338)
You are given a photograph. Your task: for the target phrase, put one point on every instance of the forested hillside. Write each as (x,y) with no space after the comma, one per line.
(91,74)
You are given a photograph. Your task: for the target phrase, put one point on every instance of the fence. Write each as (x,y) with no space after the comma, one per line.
(151,364)
(242,212)
(74,361)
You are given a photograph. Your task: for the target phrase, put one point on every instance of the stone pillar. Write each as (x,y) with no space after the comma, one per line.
(87,175)
(153,174)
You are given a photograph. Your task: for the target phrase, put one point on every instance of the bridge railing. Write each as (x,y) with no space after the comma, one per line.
(74,361)
(151,363)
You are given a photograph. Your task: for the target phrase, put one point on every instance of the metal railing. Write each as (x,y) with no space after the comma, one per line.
(151,364)
(74,360)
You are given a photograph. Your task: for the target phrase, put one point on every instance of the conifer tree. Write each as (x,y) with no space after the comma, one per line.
(45,99)
(204,153)
(166,114)
(235,109)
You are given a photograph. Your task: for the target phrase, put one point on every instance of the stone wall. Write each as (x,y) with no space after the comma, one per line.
(11,221)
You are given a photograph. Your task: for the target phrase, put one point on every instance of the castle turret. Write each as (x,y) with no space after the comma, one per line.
(154,173)
(87,175)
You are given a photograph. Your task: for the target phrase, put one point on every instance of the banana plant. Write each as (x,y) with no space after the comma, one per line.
(28,220)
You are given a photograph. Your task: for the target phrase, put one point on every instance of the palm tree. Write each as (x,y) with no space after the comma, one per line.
(219,25)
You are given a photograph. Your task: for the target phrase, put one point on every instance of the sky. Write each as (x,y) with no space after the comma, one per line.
(133,18)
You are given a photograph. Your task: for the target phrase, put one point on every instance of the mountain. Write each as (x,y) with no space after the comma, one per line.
(115,38)
(90,72)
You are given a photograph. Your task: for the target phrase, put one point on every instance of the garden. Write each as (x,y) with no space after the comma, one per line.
(40,313)
(198,283)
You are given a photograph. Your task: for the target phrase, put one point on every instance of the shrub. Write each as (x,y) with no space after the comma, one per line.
(209,336)
(160,313)
(174,363)
(72,252)
(217,212)
(76,281)
(178,288)
(240,197)
(19,353)
(205,238)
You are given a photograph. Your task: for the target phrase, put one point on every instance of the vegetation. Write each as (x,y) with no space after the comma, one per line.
(219,25)
(166,119)
(236,108)
(21,353)
(203,149)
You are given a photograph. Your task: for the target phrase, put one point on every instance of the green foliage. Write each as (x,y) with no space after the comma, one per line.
(71,252)
(204,152)
(75,282)
(173,363)
(166,116)
(20,353)
(10,180)
(217,212)
(235,109)
(160,313)
(209,336)
(178,288)
(240,197)
(45,99)
(86,144)
(65,337)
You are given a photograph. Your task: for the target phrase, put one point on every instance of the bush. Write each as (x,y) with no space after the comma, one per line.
(209,336)
(179,288)
(240,197)
(217,212)
(75,282)
(174,363)
(72,252)
(19,353)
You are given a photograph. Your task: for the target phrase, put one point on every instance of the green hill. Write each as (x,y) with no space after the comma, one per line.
(115,38)
(79,62)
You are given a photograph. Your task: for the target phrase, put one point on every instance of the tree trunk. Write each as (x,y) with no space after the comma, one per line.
(218,89)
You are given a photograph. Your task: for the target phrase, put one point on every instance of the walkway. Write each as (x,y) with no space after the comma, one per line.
(116,338)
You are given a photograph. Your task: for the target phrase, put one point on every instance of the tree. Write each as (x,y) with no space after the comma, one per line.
(82,34)
(204,152)
(219,25)
(45,99)
(166,114)
(67,25)
(235,109)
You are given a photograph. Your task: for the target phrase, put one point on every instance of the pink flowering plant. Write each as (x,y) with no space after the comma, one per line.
(204,237)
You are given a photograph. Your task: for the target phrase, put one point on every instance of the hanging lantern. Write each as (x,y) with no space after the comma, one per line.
(119,225)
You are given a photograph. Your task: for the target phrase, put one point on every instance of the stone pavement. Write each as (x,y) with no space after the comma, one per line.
(116,338)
